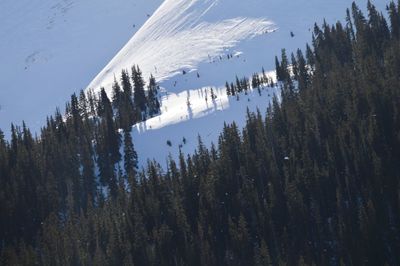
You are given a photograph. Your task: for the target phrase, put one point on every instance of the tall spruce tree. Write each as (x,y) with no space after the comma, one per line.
(139,96)
(152,97)
(130,158)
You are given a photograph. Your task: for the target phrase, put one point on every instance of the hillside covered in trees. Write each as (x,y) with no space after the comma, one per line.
(315,181)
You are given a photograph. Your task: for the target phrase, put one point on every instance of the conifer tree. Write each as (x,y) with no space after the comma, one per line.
(128,116)
(139,97)
(108,143)
(130,158)
(152,97)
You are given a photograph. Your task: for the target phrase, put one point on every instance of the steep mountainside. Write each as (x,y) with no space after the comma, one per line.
(193,46)
(67,42)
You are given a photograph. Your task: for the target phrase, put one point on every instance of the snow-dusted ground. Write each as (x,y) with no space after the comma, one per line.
(51,48)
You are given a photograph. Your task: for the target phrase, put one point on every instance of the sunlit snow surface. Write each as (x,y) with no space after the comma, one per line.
(182,34)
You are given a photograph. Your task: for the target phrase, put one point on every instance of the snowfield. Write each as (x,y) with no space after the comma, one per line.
(52,48)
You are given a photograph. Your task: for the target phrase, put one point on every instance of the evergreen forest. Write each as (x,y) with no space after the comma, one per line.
(312,179)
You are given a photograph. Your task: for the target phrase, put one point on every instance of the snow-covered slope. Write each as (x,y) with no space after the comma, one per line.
(191,34)
(51,48)
(197,36)
(181,34)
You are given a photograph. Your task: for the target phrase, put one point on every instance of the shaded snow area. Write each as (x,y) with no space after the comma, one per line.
(52,48)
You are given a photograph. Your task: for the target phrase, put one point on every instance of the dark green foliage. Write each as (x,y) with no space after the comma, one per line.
(131,105)
(107,144)
(314,182)
(228,89)
(122,102)
(130,158)
(152,98)
(139,96)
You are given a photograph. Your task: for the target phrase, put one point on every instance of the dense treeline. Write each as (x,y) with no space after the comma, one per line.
(75,163)
(243,85)
(314,182)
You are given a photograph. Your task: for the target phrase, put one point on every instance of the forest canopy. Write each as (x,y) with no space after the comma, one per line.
(314,181)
